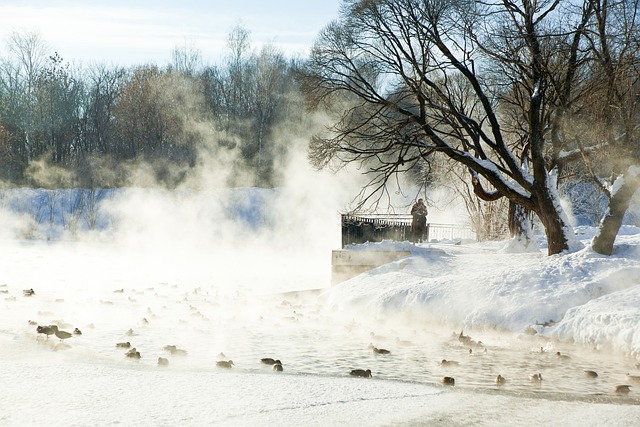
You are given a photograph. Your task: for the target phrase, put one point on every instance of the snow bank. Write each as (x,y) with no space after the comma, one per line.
(581,296)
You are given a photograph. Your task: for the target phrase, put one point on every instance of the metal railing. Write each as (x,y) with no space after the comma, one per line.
(362,228)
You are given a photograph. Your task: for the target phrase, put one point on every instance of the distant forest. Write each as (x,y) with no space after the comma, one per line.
(91,125)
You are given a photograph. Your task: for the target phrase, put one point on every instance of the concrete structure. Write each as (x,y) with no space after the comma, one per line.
(346,264)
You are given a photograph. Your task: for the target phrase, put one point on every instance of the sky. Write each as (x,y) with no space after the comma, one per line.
(139,32)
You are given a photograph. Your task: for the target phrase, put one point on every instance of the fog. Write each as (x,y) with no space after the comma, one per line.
(213,270)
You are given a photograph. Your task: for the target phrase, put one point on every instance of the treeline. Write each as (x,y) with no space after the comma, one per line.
(90,125)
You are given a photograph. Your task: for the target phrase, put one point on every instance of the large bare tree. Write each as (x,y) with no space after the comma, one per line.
(488,84)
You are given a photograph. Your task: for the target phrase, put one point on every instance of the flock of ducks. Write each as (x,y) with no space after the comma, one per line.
(533,377)
(277,366)
(54,330)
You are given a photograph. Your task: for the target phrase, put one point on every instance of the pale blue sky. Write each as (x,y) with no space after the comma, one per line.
(146,31)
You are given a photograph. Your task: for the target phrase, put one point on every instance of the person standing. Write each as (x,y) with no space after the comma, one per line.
(419,221)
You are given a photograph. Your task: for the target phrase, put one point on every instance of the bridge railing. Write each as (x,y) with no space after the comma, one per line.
(362,228)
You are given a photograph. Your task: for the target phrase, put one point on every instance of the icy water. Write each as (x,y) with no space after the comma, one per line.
(209,321)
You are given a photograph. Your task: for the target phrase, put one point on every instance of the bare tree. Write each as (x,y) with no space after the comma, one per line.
(58,103)
(615,39)
(103,87)
(28,56)
(413,77)
(186,59)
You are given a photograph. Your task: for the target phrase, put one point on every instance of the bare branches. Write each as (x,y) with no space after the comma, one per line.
(494,86)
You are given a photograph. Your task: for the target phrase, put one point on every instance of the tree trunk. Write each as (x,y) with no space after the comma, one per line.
(612,221)
(554,221)
(520,226)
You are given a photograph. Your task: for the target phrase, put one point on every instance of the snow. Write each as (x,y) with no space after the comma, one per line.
(515,187)
(572,243)
(193,278)
(617,185)
(489,285)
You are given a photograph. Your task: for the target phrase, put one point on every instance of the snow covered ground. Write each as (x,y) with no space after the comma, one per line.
(173,284)
(584,297)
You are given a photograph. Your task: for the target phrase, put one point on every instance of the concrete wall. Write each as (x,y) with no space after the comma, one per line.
(346,264)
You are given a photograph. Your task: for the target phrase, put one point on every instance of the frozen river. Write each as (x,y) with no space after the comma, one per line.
(87,380)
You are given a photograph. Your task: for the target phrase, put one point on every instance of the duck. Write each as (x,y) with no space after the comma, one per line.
(28,292)
(377,350)
(361,373)
(270,361)
(403,343)
(224,363)
(623,389)
(535,377)
(133,354)
(591,374)
(445,362)
(175,351)
(634,378)
(162,361)
(63,335)
(277,367)
(448,380)
(464,339)
(123,344)
(562,356)
(77,331)
(47,330)
(500,380)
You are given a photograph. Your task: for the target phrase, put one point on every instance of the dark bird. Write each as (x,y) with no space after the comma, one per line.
(123,344)
(623,389)
(448,381)
(270,361)
(224,363)
(277,367)
(47,330)
(133,353)
(562,356)
(28,292)
(63,335)
(535,377)
(163,361)
(591,374)
(446,362)
(175,351)
(361,373)
(464,339)
(377,350)
(77,331)
(634,378)
(500,380)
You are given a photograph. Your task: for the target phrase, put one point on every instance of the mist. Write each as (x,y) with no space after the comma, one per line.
(214,270)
